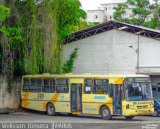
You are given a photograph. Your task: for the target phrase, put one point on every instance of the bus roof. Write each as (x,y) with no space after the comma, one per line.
(87,75)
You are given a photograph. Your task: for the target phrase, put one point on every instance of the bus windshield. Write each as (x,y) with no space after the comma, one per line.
(138,91)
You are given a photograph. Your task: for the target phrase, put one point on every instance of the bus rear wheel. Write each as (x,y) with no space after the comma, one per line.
(50,109)
(105,113)
(129,117)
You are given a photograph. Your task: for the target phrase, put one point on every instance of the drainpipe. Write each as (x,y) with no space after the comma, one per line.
(138,54)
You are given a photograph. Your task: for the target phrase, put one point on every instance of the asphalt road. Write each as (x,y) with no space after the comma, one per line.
(79,122)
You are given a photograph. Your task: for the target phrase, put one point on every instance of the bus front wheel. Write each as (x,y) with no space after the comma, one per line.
(50,109)
(105,113)
(129,117)
(155,113)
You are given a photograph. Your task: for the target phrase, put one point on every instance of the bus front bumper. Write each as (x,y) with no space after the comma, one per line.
(138,112)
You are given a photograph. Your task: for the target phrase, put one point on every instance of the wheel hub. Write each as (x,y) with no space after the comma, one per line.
(105,113)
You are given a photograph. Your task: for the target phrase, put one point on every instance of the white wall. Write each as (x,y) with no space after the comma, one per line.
(92,13)
(109,52)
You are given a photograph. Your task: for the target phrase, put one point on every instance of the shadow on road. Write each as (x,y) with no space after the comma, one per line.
(114,118)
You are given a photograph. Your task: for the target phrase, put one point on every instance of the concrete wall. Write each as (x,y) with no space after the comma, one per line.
(109,52)
(9,100)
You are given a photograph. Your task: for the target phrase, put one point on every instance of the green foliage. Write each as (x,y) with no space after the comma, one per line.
(44,29)
(68,14)
(13,33)
(140,9)
(83,25)
(10,43)
(4,13)
(32,36)
(156,13)
(68,66)
(120,12)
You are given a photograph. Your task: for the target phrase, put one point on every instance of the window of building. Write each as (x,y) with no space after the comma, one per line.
(36,85)
(110,17)
(158,89)
(26,84)
(88,83)
(62,85)
(101,86)
(153,89)
(95,17)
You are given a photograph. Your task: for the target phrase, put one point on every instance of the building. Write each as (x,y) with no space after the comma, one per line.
(96,16)
(153,1)
(115,47)
(105,12)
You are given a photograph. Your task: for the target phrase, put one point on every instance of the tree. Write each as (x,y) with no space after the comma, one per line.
(120,12)
(10,42)
(156,14)
(140,11)
(32,35)
(45,27)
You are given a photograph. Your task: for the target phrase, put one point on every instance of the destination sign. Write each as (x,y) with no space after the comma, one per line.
(137,79)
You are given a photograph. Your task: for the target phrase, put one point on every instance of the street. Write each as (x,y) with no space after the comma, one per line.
(81,122)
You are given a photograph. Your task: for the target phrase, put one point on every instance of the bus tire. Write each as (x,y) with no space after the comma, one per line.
(105,113)
(50,109)
(155,114)
(129,117)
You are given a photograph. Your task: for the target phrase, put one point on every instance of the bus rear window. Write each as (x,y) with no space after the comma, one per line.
(26,84)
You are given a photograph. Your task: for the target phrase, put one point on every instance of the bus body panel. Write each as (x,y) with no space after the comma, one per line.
(92,103)
(136,108)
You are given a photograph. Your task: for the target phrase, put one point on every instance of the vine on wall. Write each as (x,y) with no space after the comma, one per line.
(68,65)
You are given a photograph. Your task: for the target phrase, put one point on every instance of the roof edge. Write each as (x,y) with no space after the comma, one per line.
(112,24)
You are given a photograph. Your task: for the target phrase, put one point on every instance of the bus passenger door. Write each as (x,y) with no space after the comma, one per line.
(117,100)
(76,97)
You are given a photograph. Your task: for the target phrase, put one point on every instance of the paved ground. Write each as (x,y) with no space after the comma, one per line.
(81,122)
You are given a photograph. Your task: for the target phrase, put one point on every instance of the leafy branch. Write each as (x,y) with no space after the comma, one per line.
(68,66)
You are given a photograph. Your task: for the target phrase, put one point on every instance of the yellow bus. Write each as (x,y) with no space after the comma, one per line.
(105,95)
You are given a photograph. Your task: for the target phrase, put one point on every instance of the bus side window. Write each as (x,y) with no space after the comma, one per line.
(46,85)
(62,85)
(88,83)
(26,84)
(52,85)
(36,85)
(100,86)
